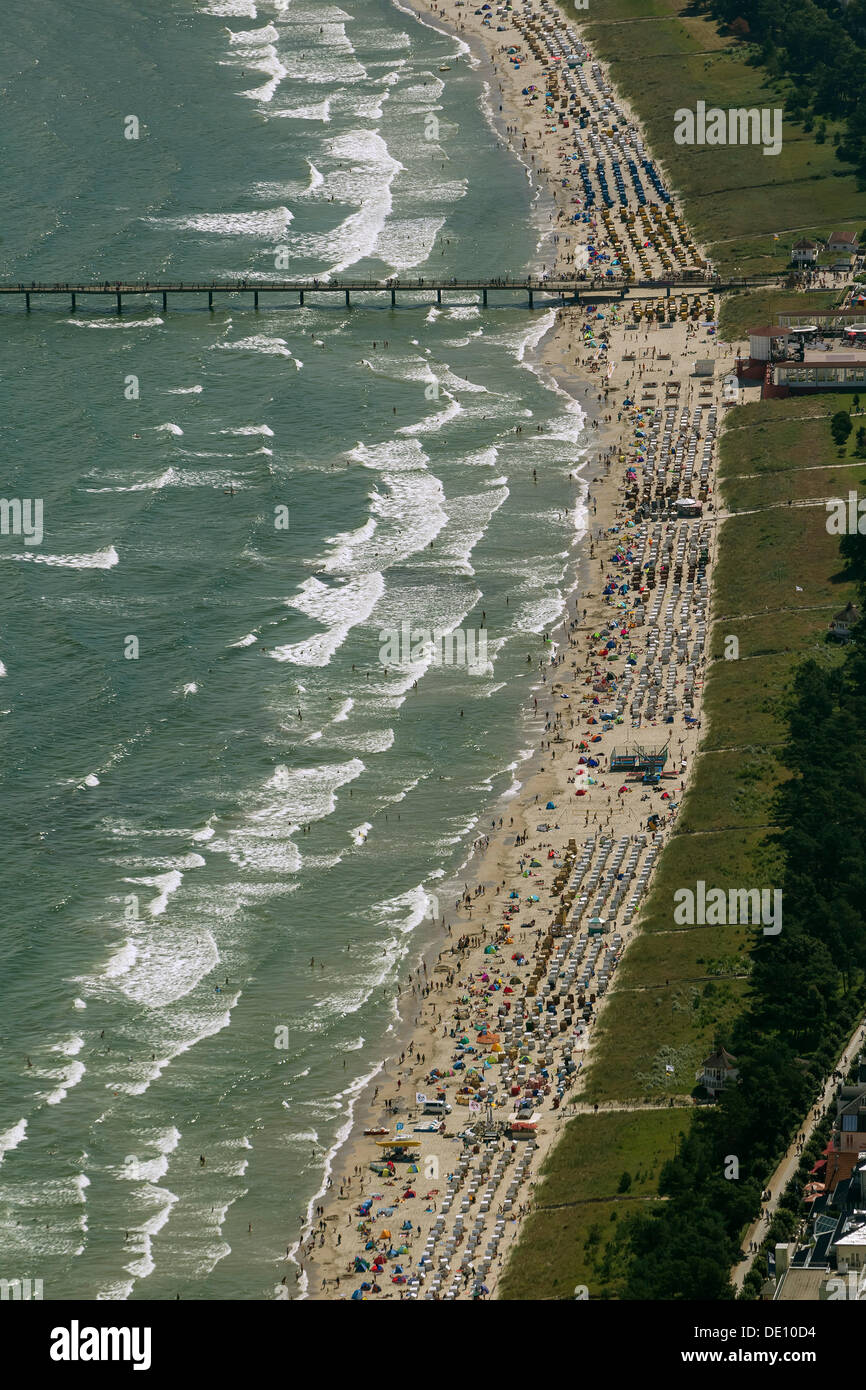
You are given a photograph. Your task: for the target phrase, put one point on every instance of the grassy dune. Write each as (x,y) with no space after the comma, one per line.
(662,57)
(580,1208)
(777,583)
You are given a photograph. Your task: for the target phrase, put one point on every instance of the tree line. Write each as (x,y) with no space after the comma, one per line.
(819,46)
(807,989)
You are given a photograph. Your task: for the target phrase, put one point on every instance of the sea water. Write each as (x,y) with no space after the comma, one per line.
(210,777)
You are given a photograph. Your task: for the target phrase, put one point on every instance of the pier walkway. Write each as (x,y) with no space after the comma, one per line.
(526,287)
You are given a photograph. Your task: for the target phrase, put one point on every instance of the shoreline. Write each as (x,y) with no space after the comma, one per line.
(473,868)
(496,875)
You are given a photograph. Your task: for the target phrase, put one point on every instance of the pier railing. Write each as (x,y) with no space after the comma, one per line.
(574,288)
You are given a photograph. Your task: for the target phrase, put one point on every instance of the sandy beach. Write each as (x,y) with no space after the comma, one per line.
(499,1015)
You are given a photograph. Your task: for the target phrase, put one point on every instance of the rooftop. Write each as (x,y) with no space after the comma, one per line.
(844,357)
(801,1285)
(850,614)
(721,1058)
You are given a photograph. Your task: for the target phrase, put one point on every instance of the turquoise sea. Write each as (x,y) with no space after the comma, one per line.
(209,777)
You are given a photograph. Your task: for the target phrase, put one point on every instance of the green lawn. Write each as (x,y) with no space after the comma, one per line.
(642,1033)
(753,308)
(798,630)
(776,584)
(567,1240)
(662,56)
(778,559)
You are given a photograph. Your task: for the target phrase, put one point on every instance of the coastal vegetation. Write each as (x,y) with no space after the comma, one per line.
(585,1197)
(807,990)
(783,1004)
(745,207)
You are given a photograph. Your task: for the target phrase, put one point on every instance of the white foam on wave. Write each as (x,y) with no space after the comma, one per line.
(118,322)
(187,1028)
(183,390)
(99,560)
(340,558)
(390,457)
(482,458)
(433,423)
(167,428)
(12,1138)
(323,58)
(371,741)
(407,910)
(254,50)
(231,9)
(339,607)
(405,242)
(191,860)
(183,477)
(321,111)
(468,519)
(250,429)
(366,181)
(168,965)
(405,517)
(247,641)
(253,37)
(290,798)
(122,960)
(151,484)
(134,1169)
(541,614)
(67,1076)
(268,224)
(259,342)
(316,179)
(167,884)
(397,918)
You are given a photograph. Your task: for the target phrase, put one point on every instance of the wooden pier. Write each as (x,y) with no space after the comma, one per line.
(525,288)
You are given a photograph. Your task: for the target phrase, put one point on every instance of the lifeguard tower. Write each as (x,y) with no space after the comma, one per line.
(638,759)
